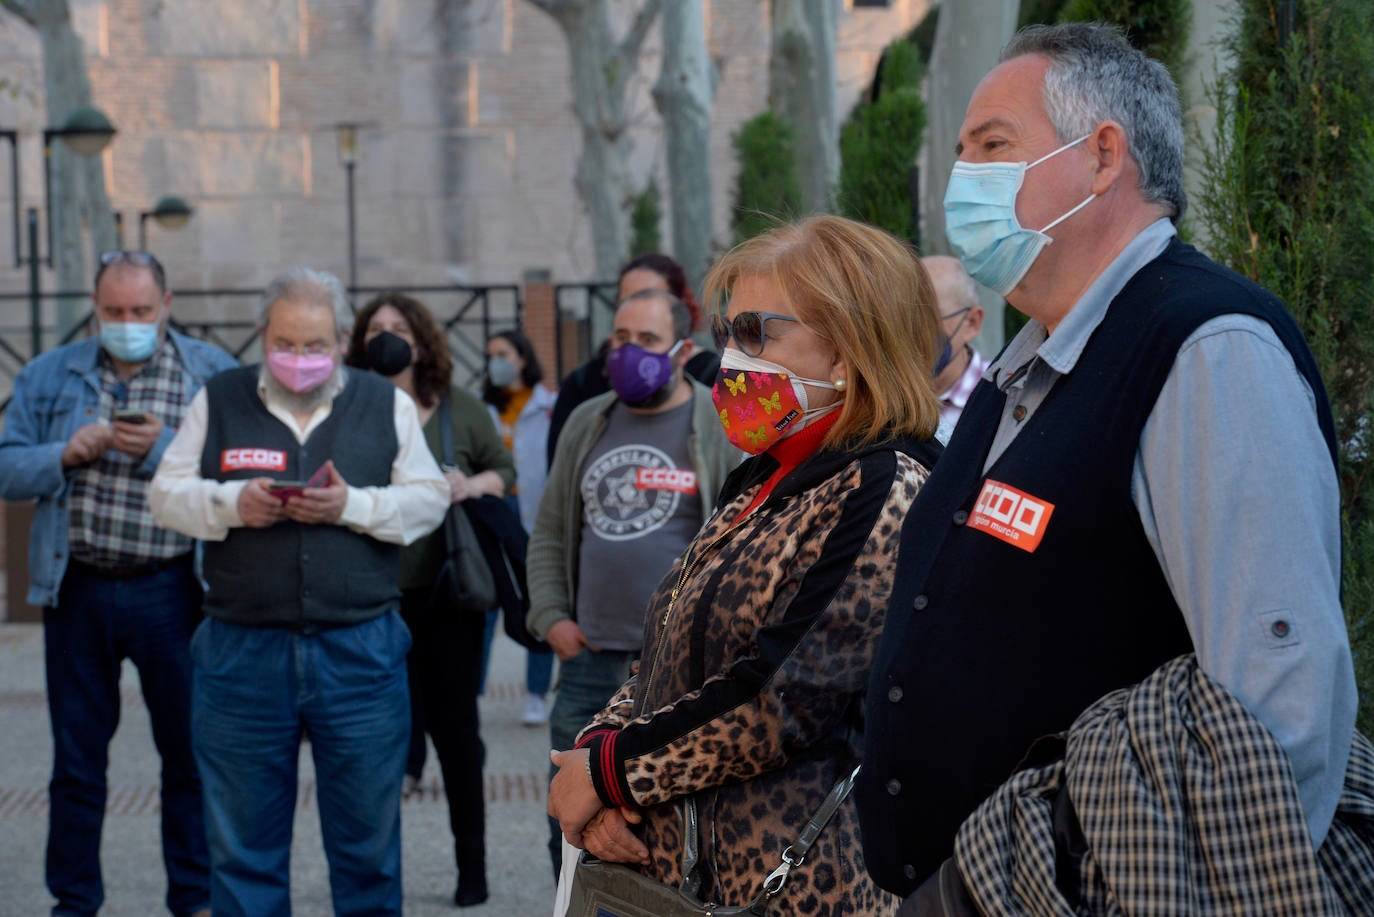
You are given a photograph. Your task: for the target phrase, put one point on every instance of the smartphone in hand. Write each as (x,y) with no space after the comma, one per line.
(320,478)
(285,490)
(125,415)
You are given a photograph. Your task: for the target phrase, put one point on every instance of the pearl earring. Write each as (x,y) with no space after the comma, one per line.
(839,385)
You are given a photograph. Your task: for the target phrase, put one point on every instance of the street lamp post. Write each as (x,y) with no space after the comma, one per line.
(170,212)
(86,132)
(348,156)
(35,285)
(13,138)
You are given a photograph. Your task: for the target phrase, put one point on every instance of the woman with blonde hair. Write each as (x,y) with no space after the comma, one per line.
(748,701)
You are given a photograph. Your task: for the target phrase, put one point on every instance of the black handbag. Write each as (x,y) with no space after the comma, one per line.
(504,543)
(611,890)
(465,582)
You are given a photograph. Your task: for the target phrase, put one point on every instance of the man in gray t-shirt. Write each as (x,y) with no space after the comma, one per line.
(636,472)
(639,509)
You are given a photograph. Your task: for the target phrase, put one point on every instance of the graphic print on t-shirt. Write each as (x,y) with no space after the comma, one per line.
(631,491)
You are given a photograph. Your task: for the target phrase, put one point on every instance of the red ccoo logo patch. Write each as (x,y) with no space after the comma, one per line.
(681,480)
(252,460)
(1011,515)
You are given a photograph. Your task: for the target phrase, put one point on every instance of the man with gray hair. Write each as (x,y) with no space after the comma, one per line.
(303,521)
(961,318)
(1146,471)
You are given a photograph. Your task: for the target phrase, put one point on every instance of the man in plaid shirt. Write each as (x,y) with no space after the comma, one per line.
(83,435)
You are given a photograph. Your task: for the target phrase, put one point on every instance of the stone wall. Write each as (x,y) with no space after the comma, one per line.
(465,170)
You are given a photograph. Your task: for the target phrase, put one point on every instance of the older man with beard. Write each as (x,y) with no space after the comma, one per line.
(303,521)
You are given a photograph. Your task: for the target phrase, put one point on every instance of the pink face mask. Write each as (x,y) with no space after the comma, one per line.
(300,372)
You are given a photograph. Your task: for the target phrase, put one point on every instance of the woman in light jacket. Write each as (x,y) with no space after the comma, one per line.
(521,407)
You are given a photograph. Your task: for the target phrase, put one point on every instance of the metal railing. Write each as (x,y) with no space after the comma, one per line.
(584,312)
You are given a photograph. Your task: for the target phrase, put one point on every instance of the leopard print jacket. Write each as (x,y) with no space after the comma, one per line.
(757,651)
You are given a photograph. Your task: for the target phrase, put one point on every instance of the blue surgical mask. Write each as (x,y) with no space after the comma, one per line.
(129,342)
(981,224)
(501,372)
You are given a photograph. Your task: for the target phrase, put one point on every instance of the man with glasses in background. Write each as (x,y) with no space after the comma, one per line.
(84,433)
(636,471)
(961,318)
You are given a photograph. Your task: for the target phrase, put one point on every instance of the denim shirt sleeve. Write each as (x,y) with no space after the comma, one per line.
(1238,497)
(35,436)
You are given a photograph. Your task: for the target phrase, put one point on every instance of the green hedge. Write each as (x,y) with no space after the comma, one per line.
(768,188)
(1158,27)
(646,220)
(1288,200)
(878,146)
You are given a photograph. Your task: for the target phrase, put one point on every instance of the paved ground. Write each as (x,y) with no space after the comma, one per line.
(517,760)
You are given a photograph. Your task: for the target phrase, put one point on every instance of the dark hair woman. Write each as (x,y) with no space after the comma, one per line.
(396,336)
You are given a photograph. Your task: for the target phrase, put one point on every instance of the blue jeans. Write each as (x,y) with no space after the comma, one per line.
(99,622)
(256,690)
(538,666)
(585,683)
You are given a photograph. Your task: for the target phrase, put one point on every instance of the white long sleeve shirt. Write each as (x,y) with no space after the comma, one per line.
(411,506)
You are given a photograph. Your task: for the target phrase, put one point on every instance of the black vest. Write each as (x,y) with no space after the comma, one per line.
(989,646)
(294,575)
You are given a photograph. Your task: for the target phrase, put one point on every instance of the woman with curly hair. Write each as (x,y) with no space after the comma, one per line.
(397,337)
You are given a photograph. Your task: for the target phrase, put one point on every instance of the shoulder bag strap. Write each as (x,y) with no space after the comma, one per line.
(446,429)
(792,856)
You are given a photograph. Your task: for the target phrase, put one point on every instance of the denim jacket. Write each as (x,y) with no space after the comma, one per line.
(54,395)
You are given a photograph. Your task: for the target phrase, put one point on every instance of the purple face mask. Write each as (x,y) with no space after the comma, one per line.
(636,374)
(300,372)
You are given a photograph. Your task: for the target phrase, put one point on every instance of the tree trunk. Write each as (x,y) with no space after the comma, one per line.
(968,39)
(801,88)
(78,184)
(683,96)
(601,72)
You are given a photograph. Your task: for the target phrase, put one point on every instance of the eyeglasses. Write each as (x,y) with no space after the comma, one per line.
(137,259)
(749,329)
(957,312)
(308,350)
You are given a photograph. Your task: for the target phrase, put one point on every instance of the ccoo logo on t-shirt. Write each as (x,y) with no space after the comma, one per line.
(633,490)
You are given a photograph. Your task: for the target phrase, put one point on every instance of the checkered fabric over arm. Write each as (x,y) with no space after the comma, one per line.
(1188,806)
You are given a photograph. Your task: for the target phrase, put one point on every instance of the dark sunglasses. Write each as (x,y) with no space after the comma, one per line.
(749,329)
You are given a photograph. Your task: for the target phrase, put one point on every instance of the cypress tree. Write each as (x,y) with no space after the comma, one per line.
(1288,201)
(768,188)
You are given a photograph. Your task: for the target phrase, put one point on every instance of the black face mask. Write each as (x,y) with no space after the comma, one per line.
(387,354)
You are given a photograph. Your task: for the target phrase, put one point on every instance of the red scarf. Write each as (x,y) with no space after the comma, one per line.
(789,453)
